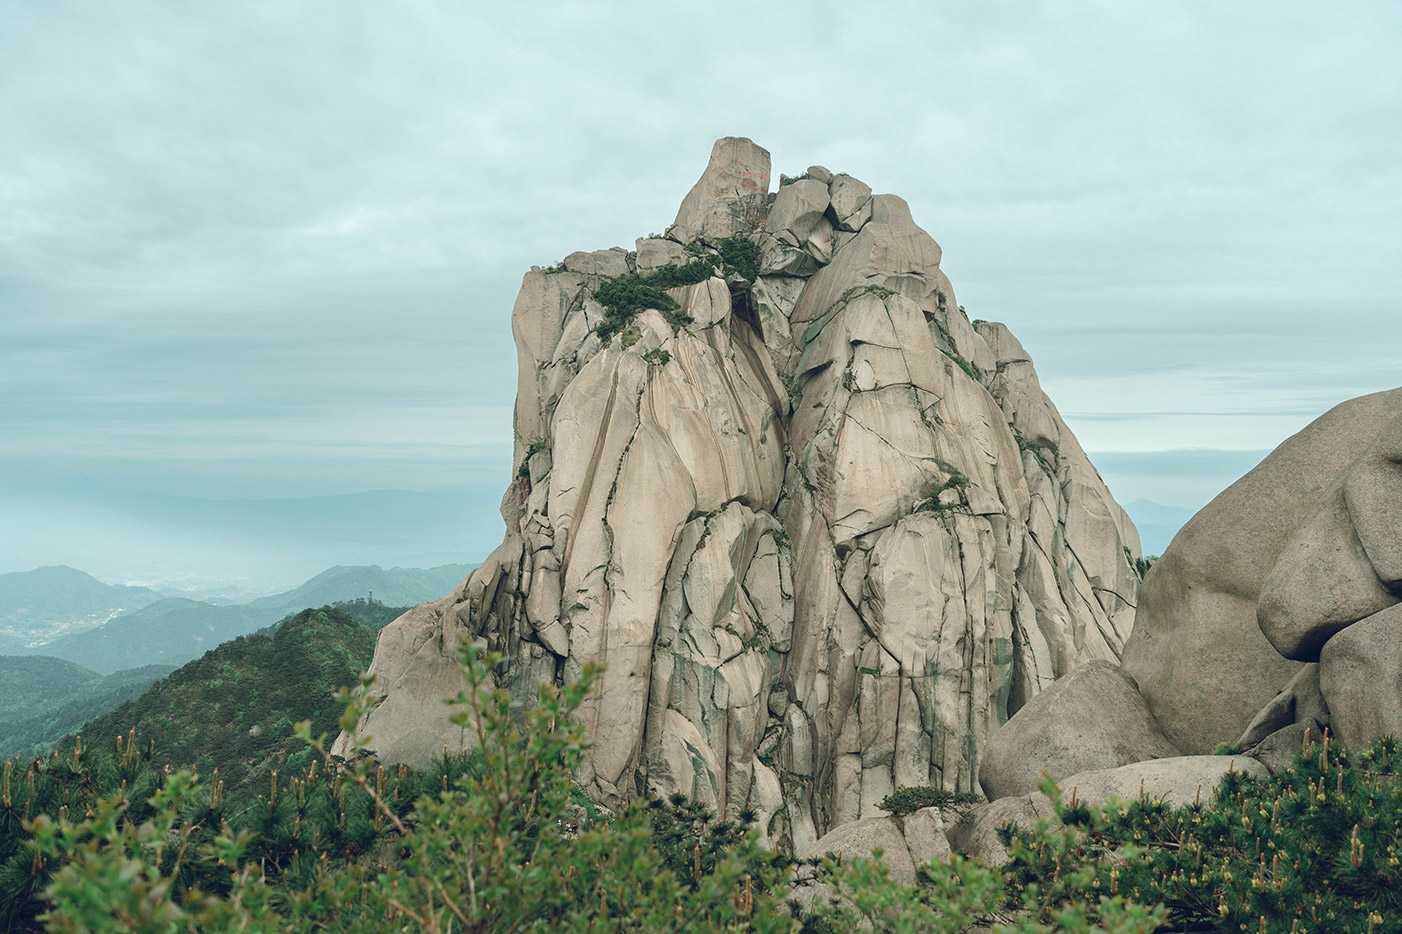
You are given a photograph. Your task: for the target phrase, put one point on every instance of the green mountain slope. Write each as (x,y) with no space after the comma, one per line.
(39,731)
(31,683)
(235,707)
(370,613)
(35,603)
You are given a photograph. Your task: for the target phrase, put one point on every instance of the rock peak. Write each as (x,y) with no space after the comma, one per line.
(728,196)
(825,534)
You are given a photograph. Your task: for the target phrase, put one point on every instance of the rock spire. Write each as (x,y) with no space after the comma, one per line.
(825,532)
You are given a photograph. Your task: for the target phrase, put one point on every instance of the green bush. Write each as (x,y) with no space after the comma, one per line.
(909,799)
(1311,850)
(623,297)
(499,842)
(740,255)
(498,845)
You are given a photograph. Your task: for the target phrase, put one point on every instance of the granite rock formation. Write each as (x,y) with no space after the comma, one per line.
(1257,583)
(1093,718)
(826,533)
(1282,598)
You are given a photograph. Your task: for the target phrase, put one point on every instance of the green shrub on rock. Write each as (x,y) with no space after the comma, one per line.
(909,799)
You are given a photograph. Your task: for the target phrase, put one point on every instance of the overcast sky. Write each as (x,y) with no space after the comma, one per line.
(258,249)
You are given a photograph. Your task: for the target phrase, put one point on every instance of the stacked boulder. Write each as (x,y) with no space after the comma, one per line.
(825,533)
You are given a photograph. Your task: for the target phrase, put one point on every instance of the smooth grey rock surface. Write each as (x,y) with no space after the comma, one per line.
(1300,701)
(1093,718)
(1326,579)
(1178,781)
(976,835)
(1197,652)
(906,843)
(1360,677)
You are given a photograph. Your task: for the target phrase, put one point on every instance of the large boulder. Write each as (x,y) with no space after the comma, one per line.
(905,842)
(1360,677)
(1342,564)
(1197,652)
(730,197)
(1297,713)
(1178,781)
(976,834)
(824,534)
(1093,718)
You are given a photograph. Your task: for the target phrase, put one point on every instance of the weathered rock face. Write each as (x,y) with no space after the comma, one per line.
(1178,781)
(826,536)
(1290,536)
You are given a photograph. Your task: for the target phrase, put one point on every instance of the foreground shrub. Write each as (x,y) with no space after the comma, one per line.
(499,842)
(496,849)
(1312,850)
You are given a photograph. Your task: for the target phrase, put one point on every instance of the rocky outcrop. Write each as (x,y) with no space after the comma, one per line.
(1181,780)
(825,533)
(976,835)
(1093,718)
(1281,599)
(1285,543)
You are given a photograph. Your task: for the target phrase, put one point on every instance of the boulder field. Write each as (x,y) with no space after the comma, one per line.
(826,533)
(829,538)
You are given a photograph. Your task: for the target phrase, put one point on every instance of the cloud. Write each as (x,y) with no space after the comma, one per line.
(233,237)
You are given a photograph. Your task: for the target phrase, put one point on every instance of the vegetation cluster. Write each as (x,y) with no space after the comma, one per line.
(235,707)
(623,297)
(501,840)
(50,698)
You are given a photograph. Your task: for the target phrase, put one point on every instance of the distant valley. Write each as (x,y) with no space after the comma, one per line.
(100,634)
(43,604)
(107,654)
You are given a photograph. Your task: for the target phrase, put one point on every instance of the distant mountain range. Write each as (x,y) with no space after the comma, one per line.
(42,698)
(171,631)
(243,548)
(1157,524)
(51,689)
(43,604)
(395,587)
